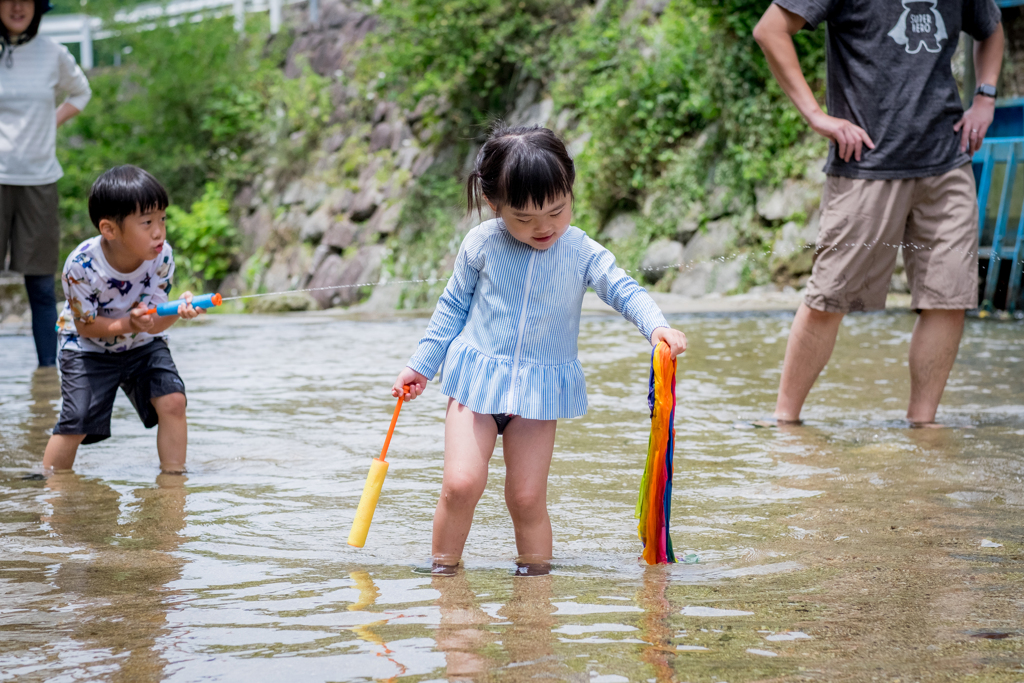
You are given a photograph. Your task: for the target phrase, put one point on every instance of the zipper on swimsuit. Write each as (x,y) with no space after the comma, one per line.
(519,337)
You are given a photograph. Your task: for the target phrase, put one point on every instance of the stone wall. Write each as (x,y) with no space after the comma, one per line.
(326,220)
(322,221)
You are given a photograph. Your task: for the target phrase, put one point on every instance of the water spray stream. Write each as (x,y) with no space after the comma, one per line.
(682,266)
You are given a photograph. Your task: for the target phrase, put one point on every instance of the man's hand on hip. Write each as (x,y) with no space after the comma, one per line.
(849,138)
(774,33)
(973,125)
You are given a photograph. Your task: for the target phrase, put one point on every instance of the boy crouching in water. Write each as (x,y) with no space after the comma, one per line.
(107,338)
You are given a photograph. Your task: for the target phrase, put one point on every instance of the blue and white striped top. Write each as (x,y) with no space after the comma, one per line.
(508,321)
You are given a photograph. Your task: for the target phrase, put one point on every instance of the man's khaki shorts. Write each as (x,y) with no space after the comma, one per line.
(864,222)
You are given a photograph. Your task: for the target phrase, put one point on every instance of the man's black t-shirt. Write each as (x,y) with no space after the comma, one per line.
(889,72)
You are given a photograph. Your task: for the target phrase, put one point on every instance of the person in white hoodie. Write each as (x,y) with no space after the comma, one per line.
(34,72)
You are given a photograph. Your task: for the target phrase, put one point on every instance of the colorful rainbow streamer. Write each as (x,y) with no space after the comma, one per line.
(654,504)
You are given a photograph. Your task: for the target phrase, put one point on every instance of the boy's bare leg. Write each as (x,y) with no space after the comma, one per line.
(811,340)
(468,445)
(528,445)
(61,450)
(172,431)
(933,349)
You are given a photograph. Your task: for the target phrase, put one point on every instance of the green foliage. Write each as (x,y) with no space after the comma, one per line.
(639,92)
(192,103)
(677,106)
(760,129)
(96,8)
(423,247)
(672,107)
(308,99)
(159,111)
(470,53)
(204,239)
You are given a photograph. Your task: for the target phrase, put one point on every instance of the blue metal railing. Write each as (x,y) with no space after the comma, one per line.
(1004,155)
(1008,121)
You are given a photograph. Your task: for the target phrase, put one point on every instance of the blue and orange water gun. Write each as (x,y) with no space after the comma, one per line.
(203,301)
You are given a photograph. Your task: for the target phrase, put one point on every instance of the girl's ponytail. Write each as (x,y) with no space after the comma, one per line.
(474,198)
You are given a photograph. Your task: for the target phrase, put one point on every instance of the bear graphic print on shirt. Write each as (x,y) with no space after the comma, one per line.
(920,26)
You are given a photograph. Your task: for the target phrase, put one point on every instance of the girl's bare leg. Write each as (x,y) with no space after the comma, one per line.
(528,445)
(468,445)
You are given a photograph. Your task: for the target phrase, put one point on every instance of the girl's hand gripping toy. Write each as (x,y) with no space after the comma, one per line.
(374,483)
(202,301)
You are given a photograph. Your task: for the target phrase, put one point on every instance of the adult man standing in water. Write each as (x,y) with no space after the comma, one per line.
(898,172)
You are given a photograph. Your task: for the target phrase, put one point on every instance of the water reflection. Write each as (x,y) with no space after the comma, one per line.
(853,530)
(43,408)
(462,634)
(655,628)
(119,593)
(528,639)
(368,594)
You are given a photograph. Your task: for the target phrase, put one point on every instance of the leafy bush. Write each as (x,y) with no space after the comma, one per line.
(470,53)
(760,129)
(298,107)
(429,236)
(204,239)
(646,91)
(191,104)
(640,92)
(674,106)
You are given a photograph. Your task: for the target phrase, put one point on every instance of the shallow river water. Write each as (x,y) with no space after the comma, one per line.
(852,548)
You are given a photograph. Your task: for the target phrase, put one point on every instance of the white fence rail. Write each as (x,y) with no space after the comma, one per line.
(83,29)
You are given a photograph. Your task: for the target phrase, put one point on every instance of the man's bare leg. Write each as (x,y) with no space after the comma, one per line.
(811,340)
(933,349)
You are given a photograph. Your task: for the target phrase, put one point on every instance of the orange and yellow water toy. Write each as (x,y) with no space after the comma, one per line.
(654,504)
(374,483)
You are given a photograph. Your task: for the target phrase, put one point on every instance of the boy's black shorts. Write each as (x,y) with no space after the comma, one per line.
(89,383)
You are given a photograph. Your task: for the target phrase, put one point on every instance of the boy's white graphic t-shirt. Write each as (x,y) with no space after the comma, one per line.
(92,288)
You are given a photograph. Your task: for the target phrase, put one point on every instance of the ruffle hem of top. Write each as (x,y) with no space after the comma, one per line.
(545,392)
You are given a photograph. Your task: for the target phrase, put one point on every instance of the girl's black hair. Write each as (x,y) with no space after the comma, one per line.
(520,165)
(122,191)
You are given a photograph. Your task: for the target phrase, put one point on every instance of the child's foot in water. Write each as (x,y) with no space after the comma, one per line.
(437,569)
(926,425)
(529,566)
(768,423)
(532,570)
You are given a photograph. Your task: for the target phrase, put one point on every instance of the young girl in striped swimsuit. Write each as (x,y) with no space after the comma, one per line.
(505,330)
